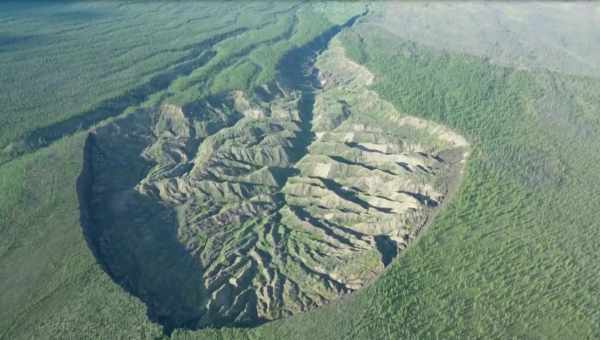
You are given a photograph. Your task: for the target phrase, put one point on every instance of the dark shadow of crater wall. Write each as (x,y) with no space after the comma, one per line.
(134,238)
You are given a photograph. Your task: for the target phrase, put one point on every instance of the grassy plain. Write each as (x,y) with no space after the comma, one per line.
(514,255)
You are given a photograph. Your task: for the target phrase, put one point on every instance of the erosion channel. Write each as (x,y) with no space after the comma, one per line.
(251,206)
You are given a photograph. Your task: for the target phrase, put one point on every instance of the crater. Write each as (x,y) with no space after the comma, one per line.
(253,206)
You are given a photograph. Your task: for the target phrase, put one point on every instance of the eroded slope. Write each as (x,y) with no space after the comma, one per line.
(249,207)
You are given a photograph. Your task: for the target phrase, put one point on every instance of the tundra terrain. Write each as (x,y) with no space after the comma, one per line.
(287,170)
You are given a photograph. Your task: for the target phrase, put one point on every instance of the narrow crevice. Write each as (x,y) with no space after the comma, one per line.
(387,248)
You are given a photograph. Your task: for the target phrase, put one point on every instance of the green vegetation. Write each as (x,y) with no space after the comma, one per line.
(136,52)
(517,239)
(512,255)
(251,59)
(51,282)
(81,54)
